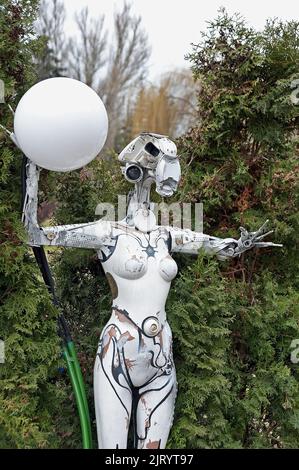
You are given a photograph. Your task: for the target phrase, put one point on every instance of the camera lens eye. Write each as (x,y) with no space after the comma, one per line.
(152,149)
(133,173)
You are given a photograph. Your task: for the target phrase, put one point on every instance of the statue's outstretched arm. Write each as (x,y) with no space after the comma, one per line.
(187,241)
(88,235)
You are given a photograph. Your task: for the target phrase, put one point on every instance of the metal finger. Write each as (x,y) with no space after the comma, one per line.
(244,233)
(260,230)
(265,244)
(263,235)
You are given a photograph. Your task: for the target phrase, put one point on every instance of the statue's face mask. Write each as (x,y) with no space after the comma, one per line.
(155,157)
(168,174)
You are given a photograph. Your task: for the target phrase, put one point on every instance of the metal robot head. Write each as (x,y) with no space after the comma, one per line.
(152,156)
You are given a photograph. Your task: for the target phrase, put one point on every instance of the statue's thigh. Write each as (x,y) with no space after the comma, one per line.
(154,412)
(113,402)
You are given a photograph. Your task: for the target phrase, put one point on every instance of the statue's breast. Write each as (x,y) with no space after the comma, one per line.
(136,254)
(168,268)
(129,260)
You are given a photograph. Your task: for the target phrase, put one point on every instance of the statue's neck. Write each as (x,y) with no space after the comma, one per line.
(139,203)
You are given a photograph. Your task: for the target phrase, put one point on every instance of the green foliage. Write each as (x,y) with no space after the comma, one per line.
(30,392)
(238,386)
(201,313)
(84,189)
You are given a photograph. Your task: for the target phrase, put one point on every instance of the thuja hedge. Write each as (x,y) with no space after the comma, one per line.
(35,406)
(234,322)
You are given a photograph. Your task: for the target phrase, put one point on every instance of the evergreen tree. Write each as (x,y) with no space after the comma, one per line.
(234,322)
(30,392)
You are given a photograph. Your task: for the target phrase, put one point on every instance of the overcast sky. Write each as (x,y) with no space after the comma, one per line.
(172,25)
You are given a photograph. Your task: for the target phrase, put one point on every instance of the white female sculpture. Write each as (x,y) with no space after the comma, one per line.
(134,374)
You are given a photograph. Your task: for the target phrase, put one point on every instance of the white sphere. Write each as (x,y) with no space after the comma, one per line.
(60,124)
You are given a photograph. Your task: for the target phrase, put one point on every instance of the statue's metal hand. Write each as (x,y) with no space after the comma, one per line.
(249,240)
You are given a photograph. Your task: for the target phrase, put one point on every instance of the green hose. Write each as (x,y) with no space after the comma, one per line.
(83,416)
(77,368)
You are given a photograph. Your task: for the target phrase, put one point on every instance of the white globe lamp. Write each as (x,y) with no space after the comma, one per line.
(60,124)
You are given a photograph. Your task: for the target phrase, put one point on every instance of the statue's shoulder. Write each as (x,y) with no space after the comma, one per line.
(122,228)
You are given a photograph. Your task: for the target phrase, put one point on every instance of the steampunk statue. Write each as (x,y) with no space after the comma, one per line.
(134,373)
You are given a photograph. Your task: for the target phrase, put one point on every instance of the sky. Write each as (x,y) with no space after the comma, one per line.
(172,25)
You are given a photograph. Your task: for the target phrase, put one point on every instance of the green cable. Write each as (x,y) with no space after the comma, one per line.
(73,356)
(80,403)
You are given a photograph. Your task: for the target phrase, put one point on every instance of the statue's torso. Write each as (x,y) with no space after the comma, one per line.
(139,270)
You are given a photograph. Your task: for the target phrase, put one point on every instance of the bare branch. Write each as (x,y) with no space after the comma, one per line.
(50,24)
(168,107)
(87,54)
(126,66)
